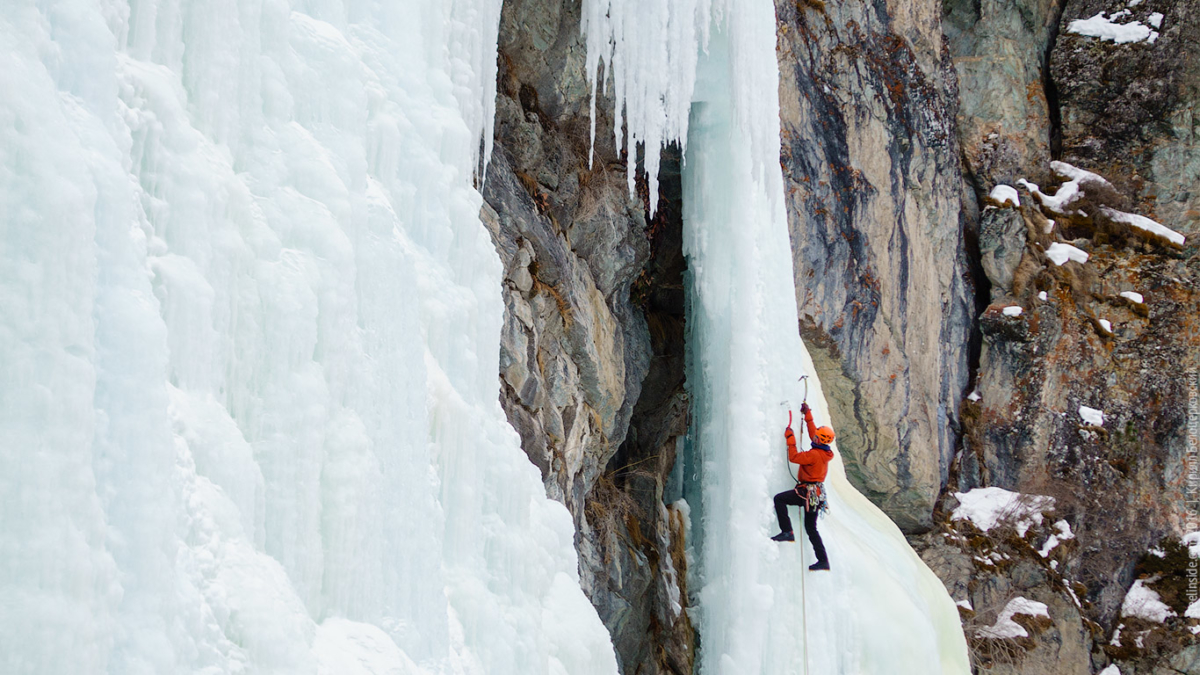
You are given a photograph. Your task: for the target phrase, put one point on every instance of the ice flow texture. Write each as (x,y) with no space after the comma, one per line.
(249,319)
(880,610)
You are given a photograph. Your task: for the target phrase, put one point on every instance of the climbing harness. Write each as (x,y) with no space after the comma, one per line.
(814,496)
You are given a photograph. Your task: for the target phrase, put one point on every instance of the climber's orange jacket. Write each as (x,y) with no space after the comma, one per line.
(814,464)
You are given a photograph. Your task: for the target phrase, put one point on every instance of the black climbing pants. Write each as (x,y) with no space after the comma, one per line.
(791,498)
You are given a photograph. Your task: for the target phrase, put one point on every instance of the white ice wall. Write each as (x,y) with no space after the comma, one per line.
(249,328)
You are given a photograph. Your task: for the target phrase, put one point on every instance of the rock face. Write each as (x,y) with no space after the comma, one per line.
(1129,111)
(1030,564)
(574,350)
(1124,111)
(1006,116)
(985,572)
(897,120)
(594,305)
(871,164)
(1002,235)
(1077,343)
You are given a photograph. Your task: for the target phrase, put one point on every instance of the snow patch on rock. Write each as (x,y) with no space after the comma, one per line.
(1064,533)
(1091,415)
(1060,201)
(1145,225)
(1120,33)
(1141,601)
(1005,627)
(1005,195)
(1192,541)
(989,506)
(1060,253)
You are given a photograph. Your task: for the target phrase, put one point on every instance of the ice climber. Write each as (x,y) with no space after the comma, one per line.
(809,492)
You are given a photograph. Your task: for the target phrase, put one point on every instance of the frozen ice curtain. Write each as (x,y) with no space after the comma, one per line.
(246,304)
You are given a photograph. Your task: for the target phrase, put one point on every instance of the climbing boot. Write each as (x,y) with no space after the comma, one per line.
(819,565)
(784,536)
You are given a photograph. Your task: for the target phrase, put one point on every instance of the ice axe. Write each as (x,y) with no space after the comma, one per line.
(804,379)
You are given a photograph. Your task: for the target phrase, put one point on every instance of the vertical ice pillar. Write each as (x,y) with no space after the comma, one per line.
(880,609)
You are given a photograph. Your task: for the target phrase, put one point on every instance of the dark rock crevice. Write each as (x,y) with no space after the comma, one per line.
(651,632)
(1053,109)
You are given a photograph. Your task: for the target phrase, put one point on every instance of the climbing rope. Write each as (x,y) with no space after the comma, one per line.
(803,608)
(803,567)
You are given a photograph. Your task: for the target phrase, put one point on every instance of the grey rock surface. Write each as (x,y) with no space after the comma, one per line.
(1005,118)
(1001,247)
(873,181)
(1186,661)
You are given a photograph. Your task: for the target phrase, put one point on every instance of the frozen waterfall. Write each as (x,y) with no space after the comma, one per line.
(249,328)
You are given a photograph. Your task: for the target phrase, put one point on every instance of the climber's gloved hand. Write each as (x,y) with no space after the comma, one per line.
(804,408)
